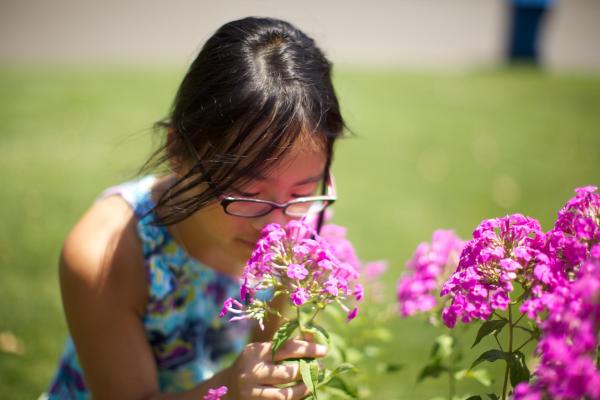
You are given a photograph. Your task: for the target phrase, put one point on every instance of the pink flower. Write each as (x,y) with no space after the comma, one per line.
(215,394)
(300,296)
(488,267)
(352,314)
(374,269)
(296,261)
(416,288)
(569,339)
(296,271)
(359,292)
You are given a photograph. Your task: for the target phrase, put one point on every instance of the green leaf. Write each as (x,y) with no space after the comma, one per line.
(480,375)
(518,369)
(319,333)
(339,386)
(340,370)
(431,371)
(491,356)
(442,347)
(309,370)
(389,368)
(475,397)
(282,335)
(493,396)
(488,328)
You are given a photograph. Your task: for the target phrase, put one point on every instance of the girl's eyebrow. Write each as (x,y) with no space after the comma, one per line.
(311,179)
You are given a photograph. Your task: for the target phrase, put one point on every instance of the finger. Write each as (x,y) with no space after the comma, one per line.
(300,349)
(295,392)
(277,374)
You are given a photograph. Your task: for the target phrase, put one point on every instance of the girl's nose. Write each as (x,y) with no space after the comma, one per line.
(276,216)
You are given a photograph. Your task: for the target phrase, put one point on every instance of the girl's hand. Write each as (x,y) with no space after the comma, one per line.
(255,372)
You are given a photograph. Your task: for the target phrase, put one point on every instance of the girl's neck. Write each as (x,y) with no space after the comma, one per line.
(186,234)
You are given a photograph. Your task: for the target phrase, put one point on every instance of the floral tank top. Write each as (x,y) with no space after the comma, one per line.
(188,339)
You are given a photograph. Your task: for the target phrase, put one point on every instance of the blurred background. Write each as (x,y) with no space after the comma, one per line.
(461,110)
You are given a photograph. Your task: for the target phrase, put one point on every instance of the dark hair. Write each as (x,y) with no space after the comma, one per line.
(257,87)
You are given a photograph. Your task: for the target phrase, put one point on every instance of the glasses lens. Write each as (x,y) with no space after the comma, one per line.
(243,208)
(303,208)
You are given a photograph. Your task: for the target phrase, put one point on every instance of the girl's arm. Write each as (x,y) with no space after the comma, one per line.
(104,290)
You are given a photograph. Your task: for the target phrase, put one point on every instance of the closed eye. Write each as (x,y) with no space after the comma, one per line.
(297,196)
(240,193)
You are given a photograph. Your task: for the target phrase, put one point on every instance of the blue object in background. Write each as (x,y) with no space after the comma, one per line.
(527,18)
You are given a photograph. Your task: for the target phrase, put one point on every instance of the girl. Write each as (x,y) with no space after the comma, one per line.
(144,273)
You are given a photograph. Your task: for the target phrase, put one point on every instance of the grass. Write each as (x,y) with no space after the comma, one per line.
(430,150)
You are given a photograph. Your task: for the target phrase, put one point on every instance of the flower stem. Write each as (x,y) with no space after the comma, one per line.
(451,368)
(313,316)
(300,324)
(510,351)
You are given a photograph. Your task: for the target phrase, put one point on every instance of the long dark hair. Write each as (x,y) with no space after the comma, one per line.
(258,87)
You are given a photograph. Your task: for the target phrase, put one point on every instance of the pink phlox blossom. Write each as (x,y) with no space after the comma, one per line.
(501,250)
(352,314)
(374,269)
(300,296)
(228,307)
(341,247)
(216,394)
(297,261)
(359,292)
(296,271)
(567,246)
(569,340)
(416,288)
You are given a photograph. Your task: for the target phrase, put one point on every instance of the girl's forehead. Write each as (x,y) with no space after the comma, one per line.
(297,167)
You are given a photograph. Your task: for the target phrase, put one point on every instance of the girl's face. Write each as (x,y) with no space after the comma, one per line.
(220,238)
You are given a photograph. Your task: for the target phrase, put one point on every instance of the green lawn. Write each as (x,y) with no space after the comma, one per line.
(430,150)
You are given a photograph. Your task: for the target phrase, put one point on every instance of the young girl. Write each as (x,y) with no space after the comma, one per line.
(145,271)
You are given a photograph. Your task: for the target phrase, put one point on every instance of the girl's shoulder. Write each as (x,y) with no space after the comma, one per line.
(102,255)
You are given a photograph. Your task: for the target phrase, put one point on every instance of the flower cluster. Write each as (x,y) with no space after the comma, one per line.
(418,288)
(567,246)
(296,261)
(569,340)
(502,250)
(215,394)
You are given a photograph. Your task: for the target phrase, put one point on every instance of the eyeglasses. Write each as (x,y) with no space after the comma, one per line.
(254,208)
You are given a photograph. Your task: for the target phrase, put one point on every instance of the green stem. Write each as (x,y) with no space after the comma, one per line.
(510,351)
(497,341)
(452,384)
(313,316)
(300,324)
(452,367)
(499,316)
(523,345)
(518,320)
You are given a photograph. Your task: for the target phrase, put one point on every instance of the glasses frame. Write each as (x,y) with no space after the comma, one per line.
(330,197)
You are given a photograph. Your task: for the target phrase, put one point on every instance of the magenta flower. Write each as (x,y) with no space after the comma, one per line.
(575,233)
(300,296)
(417,289)
(297,261)
(569,340)
(297,271)
(215,394)
(374,269)
(501,251)
(352,314)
